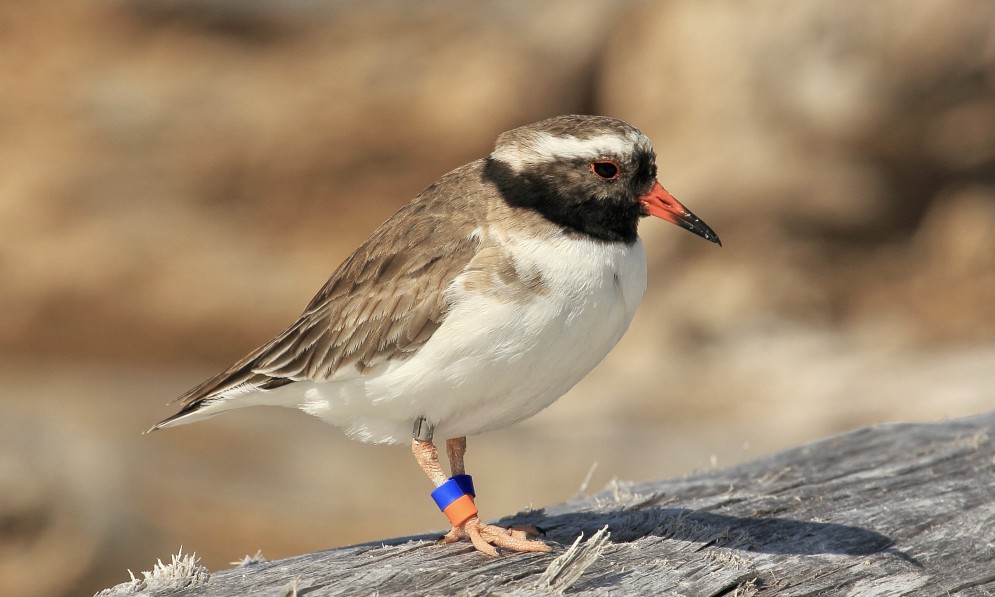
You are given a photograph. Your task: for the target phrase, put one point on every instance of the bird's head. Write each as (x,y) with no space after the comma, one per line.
(591,174)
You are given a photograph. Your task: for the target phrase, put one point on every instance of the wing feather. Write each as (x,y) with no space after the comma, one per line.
(383,303)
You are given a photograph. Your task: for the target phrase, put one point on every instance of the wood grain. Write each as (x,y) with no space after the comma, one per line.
(898,509)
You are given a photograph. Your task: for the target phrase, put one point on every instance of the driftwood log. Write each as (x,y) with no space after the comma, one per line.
(899,509)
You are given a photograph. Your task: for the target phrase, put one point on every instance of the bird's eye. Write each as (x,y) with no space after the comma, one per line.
(605,169)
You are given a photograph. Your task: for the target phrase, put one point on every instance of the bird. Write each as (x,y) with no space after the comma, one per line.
(473,307)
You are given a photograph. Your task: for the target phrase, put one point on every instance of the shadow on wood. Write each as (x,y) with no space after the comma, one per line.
(890,510)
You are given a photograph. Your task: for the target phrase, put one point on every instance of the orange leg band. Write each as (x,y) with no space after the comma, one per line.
(461,510)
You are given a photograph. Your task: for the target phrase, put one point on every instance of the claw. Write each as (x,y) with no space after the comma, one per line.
(451,537)
(485,537)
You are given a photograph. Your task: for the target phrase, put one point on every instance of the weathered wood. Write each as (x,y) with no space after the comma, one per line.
(890,510)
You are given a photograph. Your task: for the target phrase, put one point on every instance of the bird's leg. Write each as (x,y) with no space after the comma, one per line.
(483,536)
(428,459)
(455,449)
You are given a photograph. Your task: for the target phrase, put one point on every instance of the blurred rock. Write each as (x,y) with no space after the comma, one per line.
(820,135)
(56,506)
(831,115)
(177,168)
(956,236)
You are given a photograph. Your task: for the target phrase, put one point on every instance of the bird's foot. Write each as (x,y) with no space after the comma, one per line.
(486,536)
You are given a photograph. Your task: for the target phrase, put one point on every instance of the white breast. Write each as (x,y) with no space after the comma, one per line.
(494,362)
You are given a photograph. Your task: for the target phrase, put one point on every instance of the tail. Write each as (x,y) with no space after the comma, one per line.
(234,388)
(195,411)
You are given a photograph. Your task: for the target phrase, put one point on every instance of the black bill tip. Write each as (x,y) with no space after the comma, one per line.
(693,223)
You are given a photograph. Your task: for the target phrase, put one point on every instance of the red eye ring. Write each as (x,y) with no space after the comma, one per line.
(605,169)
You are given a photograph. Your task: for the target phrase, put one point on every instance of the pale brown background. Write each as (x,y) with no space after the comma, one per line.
(178,177)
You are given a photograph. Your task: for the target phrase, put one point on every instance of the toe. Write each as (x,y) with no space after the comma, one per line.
(512,539)
(529,530)
(482,545)
(452,536)
(486,537)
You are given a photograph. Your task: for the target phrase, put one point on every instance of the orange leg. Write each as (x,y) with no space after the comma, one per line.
(483,536)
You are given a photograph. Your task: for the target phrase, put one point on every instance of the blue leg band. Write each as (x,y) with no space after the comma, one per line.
(455,499)
(447,493)
(465,483)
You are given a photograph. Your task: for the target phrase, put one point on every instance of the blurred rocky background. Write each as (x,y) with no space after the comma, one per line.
(178,177)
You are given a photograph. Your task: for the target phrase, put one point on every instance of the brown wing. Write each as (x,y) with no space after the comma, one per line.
(383,303)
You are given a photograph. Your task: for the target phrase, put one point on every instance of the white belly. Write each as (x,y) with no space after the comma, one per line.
(494,362)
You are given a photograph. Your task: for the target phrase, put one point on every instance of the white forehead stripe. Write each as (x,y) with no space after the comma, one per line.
(543,148)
